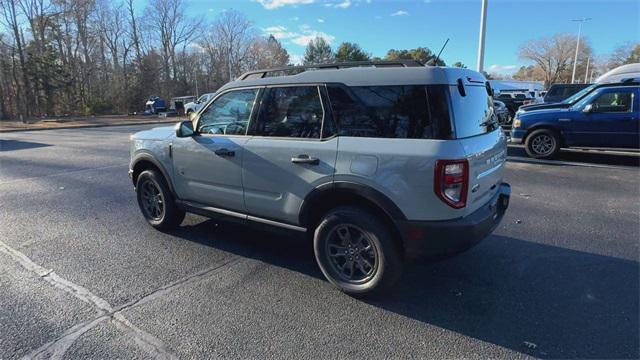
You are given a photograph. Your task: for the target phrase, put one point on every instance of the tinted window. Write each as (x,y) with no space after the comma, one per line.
(229,114)
(389,112)
(473,114)
(291,112)
(618,101)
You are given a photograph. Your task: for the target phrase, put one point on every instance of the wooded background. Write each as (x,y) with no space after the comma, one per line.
(75,57)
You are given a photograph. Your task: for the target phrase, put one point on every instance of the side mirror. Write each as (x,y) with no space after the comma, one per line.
(184,129)
(590,108)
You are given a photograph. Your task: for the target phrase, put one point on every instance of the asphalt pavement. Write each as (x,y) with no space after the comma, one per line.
(82,274)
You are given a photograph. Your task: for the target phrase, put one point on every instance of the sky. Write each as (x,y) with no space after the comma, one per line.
(380,25)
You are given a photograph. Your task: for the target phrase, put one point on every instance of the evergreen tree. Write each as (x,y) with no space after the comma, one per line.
(318,52)
(351,52)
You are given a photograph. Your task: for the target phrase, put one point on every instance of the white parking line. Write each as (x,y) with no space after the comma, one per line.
(517,159)
(56,349)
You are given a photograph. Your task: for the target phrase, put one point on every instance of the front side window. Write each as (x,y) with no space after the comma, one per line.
(229,114)
(615,101)
(294,112)
(389,112)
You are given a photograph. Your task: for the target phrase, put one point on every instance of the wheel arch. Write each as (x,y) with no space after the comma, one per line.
(146,161)
(331,195)
(545,126)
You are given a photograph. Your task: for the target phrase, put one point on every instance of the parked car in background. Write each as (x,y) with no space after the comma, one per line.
(608,117)
(620,73)
(559,92)
(513,100)
(502,113)
(374,163)
(194,106)
(571,100)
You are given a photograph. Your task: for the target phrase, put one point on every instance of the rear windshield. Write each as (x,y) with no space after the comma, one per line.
(473,113)
(406,112)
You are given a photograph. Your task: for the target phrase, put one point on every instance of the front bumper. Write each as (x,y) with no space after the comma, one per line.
(433,238)
(517,135)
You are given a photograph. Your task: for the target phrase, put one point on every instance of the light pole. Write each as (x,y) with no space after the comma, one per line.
(575,59)
(586,72)
(483,27)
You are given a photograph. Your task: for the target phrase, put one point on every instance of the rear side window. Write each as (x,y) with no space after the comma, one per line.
(291,112)
(389,112)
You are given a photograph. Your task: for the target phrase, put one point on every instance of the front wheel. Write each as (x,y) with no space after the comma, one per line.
(356,252)
(156,201)
(542,144)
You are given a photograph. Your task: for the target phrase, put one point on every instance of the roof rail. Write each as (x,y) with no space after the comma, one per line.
(259,74)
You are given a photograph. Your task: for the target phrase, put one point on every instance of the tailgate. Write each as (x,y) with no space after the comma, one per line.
(486,154)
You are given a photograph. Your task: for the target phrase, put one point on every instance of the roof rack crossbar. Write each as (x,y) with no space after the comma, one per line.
(396,63)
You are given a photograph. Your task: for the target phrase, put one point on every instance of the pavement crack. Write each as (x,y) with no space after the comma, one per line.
(199,276)
(57,348)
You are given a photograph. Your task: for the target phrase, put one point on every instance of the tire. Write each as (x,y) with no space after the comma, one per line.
(542,144)
(367,264)
(156,201)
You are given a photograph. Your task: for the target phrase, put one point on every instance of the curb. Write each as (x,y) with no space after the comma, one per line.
(91,126)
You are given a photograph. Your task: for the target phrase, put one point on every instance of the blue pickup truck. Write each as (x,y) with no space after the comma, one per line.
(608,117)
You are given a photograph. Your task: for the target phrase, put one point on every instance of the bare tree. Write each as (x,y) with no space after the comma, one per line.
(553,55)
(173,30)
(11,21)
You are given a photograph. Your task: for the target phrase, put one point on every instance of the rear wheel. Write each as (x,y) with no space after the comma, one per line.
(356,252)
(157,202)
(542,144)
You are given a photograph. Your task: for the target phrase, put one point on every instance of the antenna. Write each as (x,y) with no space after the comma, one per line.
(435,63)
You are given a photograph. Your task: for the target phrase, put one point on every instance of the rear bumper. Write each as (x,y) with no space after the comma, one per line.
(432,238)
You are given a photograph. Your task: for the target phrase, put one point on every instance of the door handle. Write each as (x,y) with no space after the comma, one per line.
(225,152)
(305,159)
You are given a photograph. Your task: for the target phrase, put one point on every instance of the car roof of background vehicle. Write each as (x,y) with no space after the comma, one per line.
(620,73)
(364,76)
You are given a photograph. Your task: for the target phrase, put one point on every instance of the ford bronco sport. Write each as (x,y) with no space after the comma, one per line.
(376,161)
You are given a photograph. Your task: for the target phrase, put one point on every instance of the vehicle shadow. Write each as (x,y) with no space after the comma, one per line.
(11,145)
(583,156)
(537,299)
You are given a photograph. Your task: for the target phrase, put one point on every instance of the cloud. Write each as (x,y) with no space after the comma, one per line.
(280,32)
(274,4)
(400,13)
(296,59)
(343,5)
(502,68)
(321,20)
(301,37)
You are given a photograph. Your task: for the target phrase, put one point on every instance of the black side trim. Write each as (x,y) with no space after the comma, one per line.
(158,164)
(347,187)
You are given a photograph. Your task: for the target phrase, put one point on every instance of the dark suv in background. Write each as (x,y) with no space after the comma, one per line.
(559,92)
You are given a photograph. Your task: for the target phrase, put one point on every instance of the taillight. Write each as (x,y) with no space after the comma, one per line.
(452,181)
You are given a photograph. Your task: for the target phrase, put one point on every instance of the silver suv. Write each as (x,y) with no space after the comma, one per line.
(376,162)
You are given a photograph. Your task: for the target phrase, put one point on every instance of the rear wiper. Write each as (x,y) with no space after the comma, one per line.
(489,122)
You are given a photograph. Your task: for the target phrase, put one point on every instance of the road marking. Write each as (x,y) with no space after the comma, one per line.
(516,159)
(57,348)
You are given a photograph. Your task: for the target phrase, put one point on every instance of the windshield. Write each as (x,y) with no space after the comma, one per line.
(575,97)
(203,98)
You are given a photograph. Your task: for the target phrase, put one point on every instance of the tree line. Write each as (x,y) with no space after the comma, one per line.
(552,59)
(78,57)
